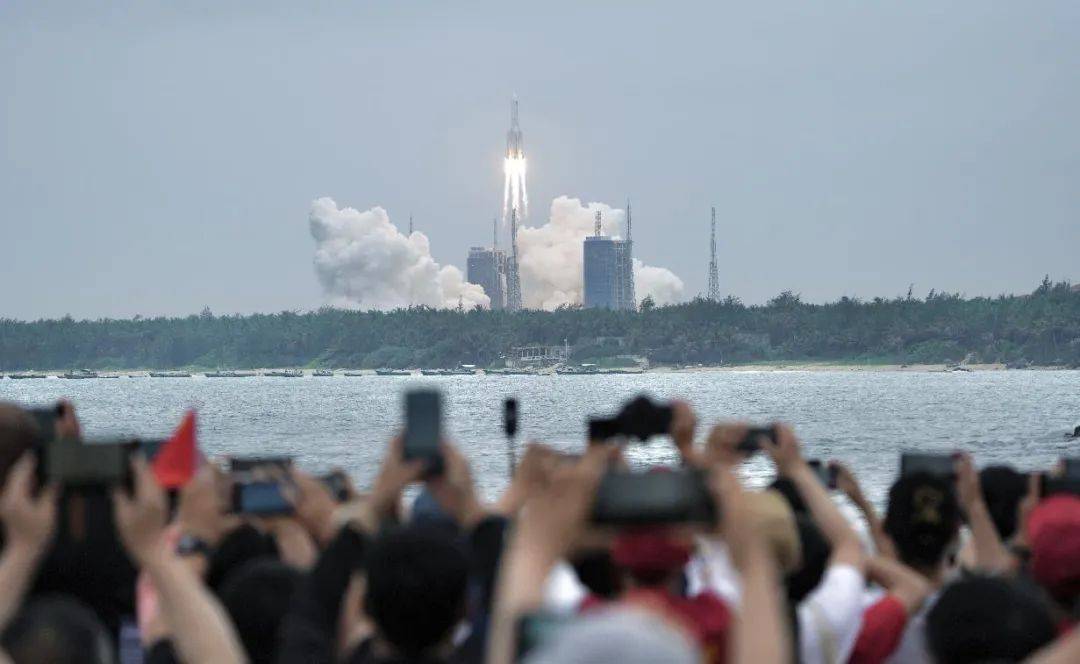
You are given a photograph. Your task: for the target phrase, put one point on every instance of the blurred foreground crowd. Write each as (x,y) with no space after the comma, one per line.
(964,566)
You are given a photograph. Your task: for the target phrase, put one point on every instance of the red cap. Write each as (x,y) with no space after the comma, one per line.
(176,462)
(1053,531)
(650,550)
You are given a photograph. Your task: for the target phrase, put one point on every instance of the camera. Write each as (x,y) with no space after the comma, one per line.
(640,418)
(678,496)
(938,465)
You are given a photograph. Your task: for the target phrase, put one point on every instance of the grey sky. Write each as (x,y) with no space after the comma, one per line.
(155,160)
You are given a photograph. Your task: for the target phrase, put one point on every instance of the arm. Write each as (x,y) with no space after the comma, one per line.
(1065,650)
(29,524)
(905,584)
(760,633)
(846,482)
(991,555)
(846,547)
(545,531)
(202,631)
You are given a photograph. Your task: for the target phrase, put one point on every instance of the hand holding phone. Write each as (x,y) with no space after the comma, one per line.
(751,442)
(678,496)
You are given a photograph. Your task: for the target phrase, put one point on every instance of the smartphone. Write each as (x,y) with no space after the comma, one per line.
(510,417)
(602,429)
(939,465)
(423,427)
(260,498)
(338,485)
(248,464)
(79,464)
(750,442)
(825,472)
(1051,486)
(679,496)
(1072,467)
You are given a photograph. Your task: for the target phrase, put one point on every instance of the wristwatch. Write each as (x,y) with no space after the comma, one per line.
(190,545)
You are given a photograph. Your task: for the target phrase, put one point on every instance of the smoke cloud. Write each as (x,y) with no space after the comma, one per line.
(550,257)
(363,260)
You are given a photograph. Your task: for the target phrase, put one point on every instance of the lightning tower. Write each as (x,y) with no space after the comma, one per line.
(513,278)
(714,276)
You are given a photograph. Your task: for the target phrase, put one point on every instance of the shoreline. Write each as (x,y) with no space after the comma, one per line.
(839,367)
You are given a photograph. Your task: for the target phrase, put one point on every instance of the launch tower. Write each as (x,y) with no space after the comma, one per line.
(714,276)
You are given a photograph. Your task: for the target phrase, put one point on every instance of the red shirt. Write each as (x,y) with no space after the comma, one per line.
(882,628)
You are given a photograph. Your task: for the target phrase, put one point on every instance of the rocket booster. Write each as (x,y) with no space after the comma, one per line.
(515,145)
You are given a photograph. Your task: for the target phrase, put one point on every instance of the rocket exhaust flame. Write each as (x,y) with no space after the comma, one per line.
(515,194)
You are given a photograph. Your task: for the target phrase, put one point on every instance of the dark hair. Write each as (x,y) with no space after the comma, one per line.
(598,572)
(18,433)
(815,557)
(789,492)
(984,619)
(922,519)
(243,544)
(57,629)
(1003,488)
(257,596)
(416,581)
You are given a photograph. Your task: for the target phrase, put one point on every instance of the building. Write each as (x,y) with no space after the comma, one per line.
(486,267)
(608,270)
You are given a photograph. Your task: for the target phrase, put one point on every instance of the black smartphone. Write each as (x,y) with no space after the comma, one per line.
(1050,486)
(939,465)
(247,464)
(751,444)
(641,418)
(1071,467)
(825,472)
(678,496)
(423,427)
(338,485)
(260,498)
(510,417)
(80,464)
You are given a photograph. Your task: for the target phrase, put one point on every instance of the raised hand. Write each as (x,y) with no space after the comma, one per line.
(29,522)
(454,488)
(395,474)
(786,452)
(140,517)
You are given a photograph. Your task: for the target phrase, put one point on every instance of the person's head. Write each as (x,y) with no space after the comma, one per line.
(1003,488)
(776,522)
(18,433)
(923,520)
(1053,531)
(651,556)
(240,546)
(416,588)
(59,630)
(597,571)
(627,636)
(987,619)
(257,596)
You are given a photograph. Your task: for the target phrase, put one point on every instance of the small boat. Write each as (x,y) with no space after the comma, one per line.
(435,372)
(284,373)
(26,375)
(392,372)
(229,374)
(322,373)
(353,374)
(169,374)
(462,371)
(79,374)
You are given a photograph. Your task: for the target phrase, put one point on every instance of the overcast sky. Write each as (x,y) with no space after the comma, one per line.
(154,160)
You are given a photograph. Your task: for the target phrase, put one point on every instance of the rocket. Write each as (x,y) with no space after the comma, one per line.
(515,145)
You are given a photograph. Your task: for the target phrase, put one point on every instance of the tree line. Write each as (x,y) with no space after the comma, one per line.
(1041,328)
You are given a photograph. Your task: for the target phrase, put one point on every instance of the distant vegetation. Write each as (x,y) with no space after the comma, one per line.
(1042,328)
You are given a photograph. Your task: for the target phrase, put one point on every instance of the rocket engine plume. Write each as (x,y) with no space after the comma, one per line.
(515,194)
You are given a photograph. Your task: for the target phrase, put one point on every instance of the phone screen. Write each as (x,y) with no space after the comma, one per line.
(423,424)
(74,463)
(260,498)
(941,465)
(244,464)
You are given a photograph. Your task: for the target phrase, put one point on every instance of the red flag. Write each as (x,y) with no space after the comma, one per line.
(176,462)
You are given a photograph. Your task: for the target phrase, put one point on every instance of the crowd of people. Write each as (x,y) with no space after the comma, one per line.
(965,566)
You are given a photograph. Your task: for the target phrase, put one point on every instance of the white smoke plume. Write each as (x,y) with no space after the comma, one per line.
(551,256)
(363,261)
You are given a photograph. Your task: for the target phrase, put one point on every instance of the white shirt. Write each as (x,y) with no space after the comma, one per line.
(831,615)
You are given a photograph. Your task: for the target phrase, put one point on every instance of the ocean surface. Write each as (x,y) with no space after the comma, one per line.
(863,418)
